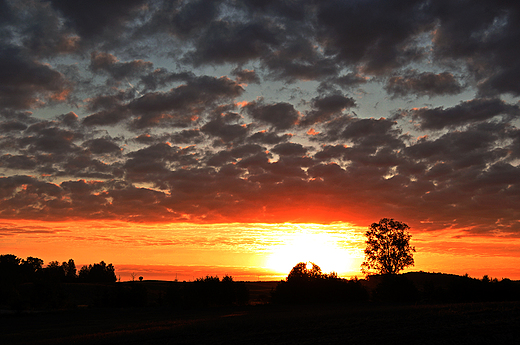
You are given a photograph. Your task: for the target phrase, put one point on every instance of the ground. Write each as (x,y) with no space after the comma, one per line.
(473,323)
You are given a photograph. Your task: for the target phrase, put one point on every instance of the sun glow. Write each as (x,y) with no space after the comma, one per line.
(309,244)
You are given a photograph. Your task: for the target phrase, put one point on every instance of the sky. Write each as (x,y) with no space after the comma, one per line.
(245,136)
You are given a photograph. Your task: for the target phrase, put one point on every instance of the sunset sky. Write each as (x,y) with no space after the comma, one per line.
(186,138)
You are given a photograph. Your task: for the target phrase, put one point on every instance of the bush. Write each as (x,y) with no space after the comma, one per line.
(309,285)
(208,291)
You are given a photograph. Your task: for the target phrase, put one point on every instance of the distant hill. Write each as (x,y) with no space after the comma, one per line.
(440,288)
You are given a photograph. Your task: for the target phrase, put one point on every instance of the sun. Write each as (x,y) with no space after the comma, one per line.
(310,245)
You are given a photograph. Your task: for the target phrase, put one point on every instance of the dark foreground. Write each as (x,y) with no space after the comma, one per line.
(476,323)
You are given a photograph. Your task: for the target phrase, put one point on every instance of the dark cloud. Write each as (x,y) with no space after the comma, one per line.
(290,149)
(107,117)
(464,113)
(161,77)
(70,119)
(279,115)
(26,83)
(224,131)
(187,136)
(18,162)
(269,137)
(84,166)
(184,19)
(377,35)
(299,59)
(366,134)
(423,84)
(200,90)
(233,42)
(246,76)
(175,108)
(108,63)
(12,126)
(481,35)
(349,80)
(238,111)
(91,19)
(102,146)
(44,138)
(326,107)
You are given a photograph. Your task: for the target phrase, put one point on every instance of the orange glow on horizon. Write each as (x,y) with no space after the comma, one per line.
(312,243)
(249,251)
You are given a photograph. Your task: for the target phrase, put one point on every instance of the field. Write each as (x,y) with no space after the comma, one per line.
(469,323)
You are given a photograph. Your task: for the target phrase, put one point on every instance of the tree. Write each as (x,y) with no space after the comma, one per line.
(98,273)
(388,249)
(306,283)
(70,270)
(304,271)
(54,271)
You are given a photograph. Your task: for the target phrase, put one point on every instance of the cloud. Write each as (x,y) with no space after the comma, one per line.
(269,137)
(12,126)
(376,35)
(481,36)
(224,131)
(423,84)
(92,19)
(464,113)
(184,19)
(246,76)
(23,81)
(102,146)
(280,115)
(176,107)
(259,111)
(326,107)
(233,42)
(289,149)
(108,63)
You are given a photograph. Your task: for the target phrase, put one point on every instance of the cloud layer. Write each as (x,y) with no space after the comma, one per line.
(262,111)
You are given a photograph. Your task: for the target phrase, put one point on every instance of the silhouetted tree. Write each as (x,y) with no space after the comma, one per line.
(31,267)
(70,270)
(10,271)
(388,248)
(208,291)
(98,273)
(306,284)
(301,272)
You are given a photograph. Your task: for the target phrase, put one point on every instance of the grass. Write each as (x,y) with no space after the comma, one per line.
(476,323)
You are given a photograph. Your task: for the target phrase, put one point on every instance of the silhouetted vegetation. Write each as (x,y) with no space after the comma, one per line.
(97,273)
(394,288)
(120,295)
(208,291)
(388,248)
(28,284)
(310,285)
(448,288)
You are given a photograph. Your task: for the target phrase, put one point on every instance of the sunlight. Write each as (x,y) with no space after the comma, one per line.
(309,244)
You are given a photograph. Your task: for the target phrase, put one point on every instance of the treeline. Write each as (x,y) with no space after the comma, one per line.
(422,287)
(16,270)
(307,284)
(26,283)
(207,292)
